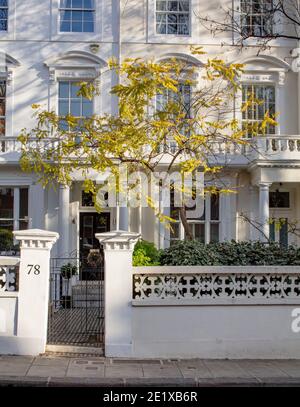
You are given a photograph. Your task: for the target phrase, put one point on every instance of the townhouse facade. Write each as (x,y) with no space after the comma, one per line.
(47,46)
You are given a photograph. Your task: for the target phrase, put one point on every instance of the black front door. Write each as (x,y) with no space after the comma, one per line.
(91,254)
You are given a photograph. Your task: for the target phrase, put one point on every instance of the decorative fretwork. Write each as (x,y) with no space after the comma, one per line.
(9,278)
(217,288)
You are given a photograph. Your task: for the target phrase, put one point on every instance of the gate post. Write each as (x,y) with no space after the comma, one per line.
(33,298)
(118,248)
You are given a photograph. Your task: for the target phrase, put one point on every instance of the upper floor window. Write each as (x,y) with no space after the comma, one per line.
(77,15)
(70,103)
(2,108)
(173,17)
(13,208)
(3,15)
(257,18)
(255,112)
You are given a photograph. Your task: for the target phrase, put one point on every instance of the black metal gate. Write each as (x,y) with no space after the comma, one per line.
(76,301)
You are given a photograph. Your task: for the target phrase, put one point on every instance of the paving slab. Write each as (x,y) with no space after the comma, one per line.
(291,368)
(124,371)
(58,362)
(194,368)
(226,369)
(13,369)
(261,369)
(85,368)
(162,371)
(47,371)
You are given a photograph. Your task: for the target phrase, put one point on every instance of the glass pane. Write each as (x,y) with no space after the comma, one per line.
(65,15)
(77,3)
(214,232)
(161,5)
(76,108)
(88,4)
(214,207)
(88,27)
(2,107)
(279,199)
(174,233)
(23,224)
(65,27)
(87,199)
(7,224)
(2,89)
(63,108)
(199,232)
(76,27)
(64,89)
(6,203)
(87,109)
(283,233)
(23,203)
(74,90)
(272,230)
(88,16)
(3,3)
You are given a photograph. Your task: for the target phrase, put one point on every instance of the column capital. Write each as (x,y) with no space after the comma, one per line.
(36,239)
(264,185)
(118,240)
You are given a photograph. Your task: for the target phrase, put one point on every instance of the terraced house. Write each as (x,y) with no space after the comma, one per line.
(50,45)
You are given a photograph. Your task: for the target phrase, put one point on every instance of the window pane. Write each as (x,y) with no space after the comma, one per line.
(76,108)
(63,89)
(74,90)
(63,109)
(6,203)
(23,203)
(214,232)
(65,27)
(199,232)
(87,109)
(76,27)
(77,3)
(174,233)
(7,224)
(214,206)
(88,27)
(283,233)
(279,199)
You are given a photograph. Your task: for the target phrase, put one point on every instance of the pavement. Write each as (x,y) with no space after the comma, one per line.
(61,371)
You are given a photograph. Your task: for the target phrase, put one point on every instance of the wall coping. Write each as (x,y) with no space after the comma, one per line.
(36,238)
(118,240)
(9,261)
(217,270)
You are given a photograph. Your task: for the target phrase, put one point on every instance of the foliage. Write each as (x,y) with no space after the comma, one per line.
(194,253)
(137,138)
(68,270)
(6,240)
(145,254)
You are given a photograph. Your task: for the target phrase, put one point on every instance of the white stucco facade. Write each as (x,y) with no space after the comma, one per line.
(39,56)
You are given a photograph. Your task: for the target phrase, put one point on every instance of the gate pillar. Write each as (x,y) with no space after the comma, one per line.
(33,297)
(118,248)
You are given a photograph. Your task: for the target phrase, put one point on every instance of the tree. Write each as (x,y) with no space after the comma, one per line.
(154,111)
(264,20)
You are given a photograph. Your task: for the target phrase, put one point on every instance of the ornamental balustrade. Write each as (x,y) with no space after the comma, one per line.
(9,275)
(216,285)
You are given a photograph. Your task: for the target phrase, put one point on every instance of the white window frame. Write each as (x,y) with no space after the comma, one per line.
(278,26)
(57,35)
(7,22)
(264,102)
(271,76)
(93,10)
(16,205)
(11,22)
(207,222)
(154,37)
(253,15)
(176,12)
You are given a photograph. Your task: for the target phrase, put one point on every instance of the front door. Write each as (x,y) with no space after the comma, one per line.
(91,254)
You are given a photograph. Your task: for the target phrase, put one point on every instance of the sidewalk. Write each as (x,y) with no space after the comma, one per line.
(92,371)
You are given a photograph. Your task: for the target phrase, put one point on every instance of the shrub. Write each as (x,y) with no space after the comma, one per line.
(145,254)
(68,270)
(6,240)
(194,253)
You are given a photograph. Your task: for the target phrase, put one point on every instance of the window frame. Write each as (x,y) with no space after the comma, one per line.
(7,19)
(166,12)
(71,9)
(206,221)
(194,26)
(16,219)
(253,16)
(260,84)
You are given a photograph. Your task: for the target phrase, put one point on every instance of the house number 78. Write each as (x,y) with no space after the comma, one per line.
(35,268)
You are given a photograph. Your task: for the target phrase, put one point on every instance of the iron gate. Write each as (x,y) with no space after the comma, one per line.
(76,301)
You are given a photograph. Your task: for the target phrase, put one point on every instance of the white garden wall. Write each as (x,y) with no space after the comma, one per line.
(215,312)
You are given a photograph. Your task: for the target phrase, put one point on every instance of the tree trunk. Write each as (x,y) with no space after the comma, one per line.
(186,225)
